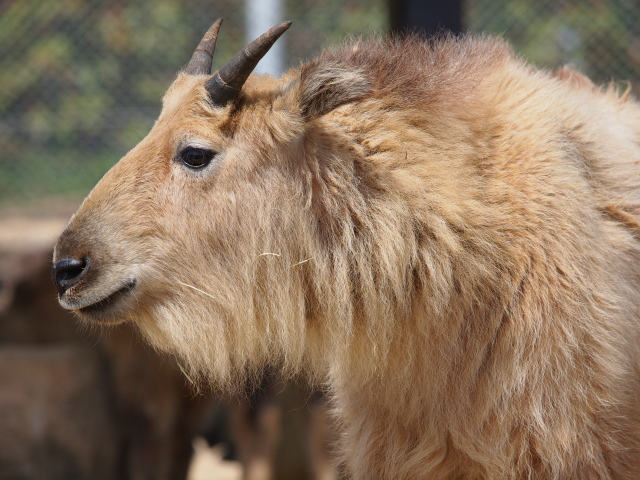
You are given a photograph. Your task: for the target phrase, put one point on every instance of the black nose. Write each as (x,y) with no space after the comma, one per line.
(69,271)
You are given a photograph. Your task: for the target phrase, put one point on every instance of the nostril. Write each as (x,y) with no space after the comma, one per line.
(69,271)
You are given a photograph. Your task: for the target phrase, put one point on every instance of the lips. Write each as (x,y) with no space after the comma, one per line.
(109,302)
(92,305)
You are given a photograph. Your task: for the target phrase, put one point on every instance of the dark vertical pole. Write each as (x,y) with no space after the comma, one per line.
(430,16)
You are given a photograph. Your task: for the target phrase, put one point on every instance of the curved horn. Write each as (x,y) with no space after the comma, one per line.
(200,63)
(227,82)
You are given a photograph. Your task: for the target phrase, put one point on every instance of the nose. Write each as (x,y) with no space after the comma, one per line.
(69,271)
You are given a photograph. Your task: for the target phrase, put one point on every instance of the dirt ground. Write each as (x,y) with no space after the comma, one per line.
(207,463)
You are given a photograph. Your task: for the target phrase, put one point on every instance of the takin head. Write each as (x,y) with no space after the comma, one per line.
(201,234)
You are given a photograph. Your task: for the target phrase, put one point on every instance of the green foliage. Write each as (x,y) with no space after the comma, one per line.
(600,38)
(81,80)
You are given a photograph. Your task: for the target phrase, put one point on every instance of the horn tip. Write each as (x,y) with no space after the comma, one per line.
(279,29)
(213,30)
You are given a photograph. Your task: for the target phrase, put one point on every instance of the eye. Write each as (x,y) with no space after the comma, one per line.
(195,158)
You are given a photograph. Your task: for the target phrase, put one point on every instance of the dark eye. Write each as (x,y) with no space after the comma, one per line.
(196,157)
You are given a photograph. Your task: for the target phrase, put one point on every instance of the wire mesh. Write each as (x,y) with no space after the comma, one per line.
(81,81)
(601,38)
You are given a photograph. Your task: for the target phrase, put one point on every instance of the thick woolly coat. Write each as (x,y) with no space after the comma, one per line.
(444,234)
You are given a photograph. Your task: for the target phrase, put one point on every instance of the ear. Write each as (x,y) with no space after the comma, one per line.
(325,86)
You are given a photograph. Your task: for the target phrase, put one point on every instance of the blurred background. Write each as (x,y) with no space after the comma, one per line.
(81,80)
(80,84)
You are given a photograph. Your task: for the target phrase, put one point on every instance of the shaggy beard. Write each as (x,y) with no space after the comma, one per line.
(226,347)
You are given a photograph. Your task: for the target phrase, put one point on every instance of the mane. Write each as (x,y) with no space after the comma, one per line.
(411,70)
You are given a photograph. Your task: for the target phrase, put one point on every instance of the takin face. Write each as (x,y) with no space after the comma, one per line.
(199,235)
(445,234)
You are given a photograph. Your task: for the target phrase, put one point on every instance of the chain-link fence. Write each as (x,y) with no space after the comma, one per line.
(599,37)
(81,80)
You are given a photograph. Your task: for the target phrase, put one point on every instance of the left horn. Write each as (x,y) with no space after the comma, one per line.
(200,63)
(226,83)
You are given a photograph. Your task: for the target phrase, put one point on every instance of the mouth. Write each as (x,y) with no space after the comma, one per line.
(110,308)
(110,301)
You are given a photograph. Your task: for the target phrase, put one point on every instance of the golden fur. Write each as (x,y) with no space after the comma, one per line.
(445,234)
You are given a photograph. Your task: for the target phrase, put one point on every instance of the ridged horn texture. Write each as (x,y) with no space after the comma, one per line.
(200,63)
(226,83)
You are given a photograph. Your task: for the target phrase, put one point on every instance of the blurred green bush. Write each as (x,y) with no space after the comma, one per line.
(81,80)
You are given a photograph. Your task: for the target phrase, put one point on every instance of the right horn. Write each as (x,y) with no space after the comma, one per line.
(200,63)
(226,83)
